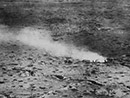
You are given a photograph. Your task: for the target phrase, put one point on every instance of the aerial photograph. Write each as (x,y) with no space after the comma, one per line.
(64,48)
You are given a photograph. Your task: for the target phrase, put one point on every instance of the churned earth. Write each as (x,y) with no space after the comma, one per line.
(28,72)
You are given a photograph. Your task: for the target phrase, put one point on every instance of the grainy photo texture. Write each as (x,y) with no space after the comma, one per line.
(64,49)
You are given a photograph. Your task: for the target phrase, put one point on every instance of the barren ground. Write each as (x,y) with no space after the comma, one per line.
(29,72)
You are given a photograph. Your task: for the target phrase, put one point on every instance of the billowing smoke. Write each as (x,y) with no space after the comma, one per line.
(5,35)
(41,39)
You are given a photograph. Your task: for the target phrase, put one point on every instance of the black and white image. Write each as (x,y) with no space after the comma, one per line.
(64,48)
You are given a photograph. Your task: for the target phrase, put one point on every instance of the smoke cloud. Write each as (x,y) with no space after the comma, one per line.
(42,39)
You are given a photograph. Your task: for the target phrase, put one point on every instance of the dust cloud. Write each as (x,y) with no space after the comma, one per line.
(41,39)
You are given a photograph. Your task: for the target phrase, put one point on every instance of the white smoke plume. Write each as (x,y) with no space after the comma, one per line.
(41,39)
(5,34)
